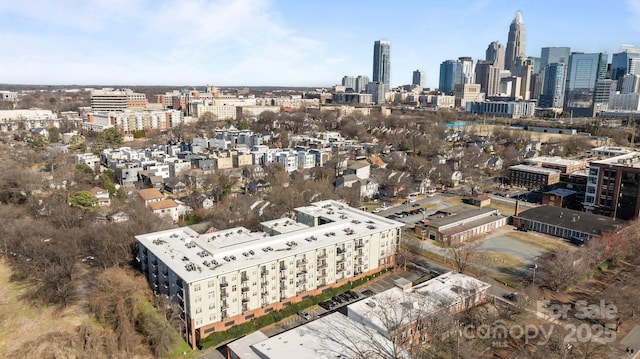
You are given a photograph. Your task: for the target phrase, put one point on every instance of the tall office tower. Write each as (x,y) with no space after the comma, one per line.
(553,87)
(630,83)
(377,90)
(449,73)
(361,83)
(621,61)
(582,74)
(349,82)
(550,55)
(515,43)
(382,63)
(488,77)
(523,68)
(495,54)
(418,78)
(467,70)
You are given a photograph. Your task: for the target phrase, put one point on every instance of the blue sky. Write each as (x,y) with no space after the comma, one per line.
(284,43)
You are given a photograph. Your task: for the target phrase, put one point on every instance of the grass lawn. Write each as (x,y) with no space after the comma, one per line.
(498,260)
(549,244)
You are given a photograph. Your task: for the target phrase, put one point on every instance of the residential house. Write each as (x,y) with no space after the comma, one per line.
(150,195)
(166,208)
(102,195)
(174,185)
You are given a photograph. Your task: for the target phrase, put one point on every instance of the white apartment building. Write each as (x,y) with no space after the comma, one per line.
(228,277)
(306,160)
(12,120)
(114,100)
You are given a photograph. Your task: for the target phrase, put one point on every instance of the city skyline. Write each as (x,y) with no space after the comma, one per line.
(281,43)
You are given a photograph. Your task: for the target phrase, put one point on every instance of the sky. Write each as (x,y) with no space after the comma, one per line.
(282,43)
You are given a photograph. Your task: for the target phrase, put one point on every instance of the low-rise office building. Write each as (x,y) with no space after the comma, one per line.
(228,277)
(533,177)
(459,223)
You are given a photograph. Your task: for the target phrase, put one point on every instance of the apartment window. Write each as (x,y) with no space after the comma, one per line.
(212,306)
(198,310)
(197,299)
(211,283)
(233,288)
(196,287)
(211,295)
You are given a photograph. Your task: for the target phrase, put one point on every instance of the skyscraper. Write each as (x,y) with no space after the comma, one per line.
(584,71)
(349,82)
(550,55)
(418,78)
(553,88)
(361,83)
(488,77)
(449,72)
(495,54)
(381,62)
(515,43)
(621,61)
(467,70)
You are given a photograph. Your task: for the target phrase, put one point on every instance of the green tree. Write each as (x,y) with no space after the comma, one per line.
(109,137)
(83,200)
(54,134)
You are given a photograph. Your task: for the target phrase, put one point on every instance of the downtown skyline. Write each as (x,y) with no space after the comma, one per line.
(282,43)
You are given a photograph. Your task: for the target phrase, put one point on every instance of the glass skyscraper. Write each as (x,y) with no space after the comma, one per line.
(553,86)
(381,62)
(449,73)
(584,71)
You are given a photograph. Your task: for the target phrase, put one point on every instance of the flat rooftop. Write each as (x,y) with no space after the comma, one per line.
(454,214)
(554,160)
(631,159)
(195,257)
(420,301)
(283,225)
(574,220)
(534,169)
(330,337)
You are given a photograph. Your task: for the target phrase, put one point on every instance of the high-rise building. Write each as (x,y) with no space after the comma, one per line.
(382,62)
(361,83)
(582,74)
(467,70)
(488,77)
(377,90)
(515,42)
(553,88)
(449,73)
(621,61)
(630,83)
(549,55)
(524,69)
(418,78)
(349,82)
(495,54)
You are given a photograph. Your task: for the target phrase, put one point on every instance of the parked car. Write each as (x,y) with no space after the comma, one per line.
(337,299)
(353,294)
(305,315)
(511,296)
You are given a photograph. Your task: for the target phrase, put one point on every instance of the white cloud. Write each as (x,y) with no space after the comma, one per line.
(225,42)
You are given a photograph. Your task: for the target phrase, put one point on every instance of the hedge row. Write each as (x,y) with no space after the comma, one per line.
(243,329)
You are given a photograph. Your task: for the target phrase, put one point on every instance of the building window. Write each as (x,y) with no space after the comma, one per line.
(196,287)
(198,310)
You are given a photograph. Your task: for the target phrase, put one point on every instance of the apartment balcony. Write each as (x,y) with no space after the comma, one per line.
(224,305)
(264,273)
(223,293)
(301,262)
(264,284)
(245,308)
(322,265)
(322,274)
(339,270)
(224,315)
(301,273)
(322,256)
(359,245)
(224,284)
(245,299)
(244,289)
(359,254)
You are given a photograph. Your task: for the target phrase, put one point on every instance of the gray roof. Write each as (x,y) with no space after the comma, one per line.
(455,214)
(584,222)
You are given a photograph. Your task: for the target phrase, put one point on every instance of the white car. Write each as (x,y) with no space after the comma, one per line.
(377,210)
